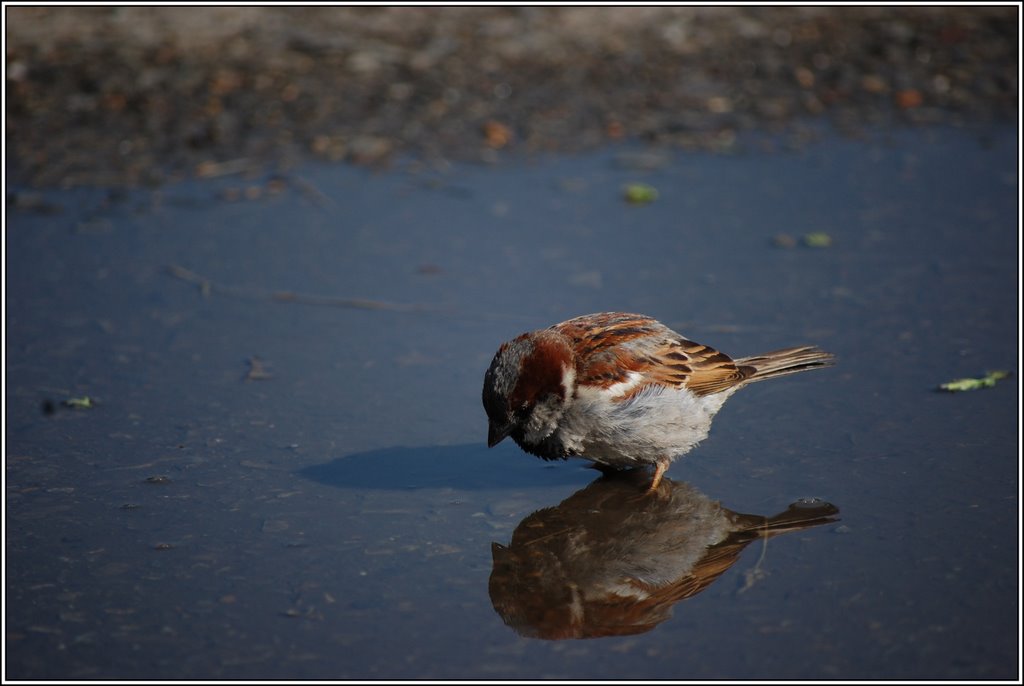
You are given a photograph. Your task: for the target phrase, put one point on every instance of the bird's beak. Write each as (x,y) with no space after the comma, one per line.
(496,434)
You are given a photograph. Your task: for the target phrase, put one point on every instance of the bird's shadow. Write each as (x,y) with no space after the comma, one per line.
(465,467)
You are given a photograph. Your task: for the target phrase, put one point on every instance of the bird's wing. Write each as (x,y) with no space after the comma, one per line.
(618,348)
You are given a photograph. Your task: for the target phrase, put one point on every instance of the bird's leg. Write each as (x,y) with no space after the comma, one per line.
(659,471)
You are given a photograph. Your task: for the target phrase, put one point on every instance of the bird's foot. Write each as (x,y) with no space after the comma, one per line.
(659,471)
(653,490)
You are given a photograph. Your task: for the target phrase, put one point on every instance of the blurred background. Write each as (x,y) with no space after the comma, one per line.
(139,94)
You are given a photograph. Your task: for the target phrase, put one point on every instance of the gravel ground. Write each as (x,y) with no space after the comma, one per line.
(138,95)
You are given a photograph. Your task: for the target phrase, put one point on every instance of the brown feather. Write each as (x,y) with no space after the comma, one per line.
(615,344)
(786,361)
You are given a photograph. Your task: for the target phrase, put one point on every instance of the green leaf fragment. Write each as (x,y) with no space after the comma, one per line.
(83,403)
(817,239)
(986,381)
(640,193)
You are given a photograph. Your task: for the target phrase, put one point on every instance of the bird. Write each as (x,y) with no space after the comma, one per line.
(603,563)
(621,390)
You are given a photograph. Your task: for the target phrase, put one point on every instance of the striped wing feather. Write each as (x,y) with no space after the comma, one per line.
(612,345)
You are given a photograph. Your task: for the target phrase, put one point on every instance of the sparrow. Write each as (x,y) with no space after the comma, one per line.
(602,563)
(621,390)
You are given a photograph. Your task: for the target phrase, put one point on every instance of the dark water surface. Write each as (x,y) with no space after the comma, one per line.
(269,487)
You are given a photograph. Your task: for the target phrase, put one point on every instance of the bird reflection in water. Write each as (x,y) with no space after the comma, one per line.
(607,563)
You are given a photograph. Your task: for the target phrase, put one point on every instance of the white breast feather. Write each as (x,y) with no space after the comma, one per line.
(657,422)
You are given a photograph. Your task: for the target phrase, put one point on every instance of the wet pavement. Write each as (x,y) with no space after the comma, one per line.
(281,470)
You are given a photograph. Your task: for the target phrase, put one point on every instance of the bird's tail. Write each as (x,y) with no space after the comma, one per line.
(785,361)
(802,514)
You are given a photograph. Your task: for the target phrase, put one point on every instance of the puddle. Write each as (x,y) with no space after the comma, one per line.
(282,472)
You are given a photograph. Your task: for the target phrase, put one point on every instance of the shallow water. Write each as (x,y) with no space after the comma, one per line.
(284,486)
